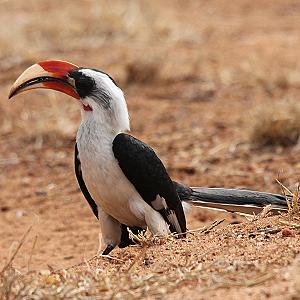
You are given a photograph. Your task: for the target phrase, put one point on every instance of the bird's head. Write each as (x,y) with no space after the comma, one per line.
(99,96)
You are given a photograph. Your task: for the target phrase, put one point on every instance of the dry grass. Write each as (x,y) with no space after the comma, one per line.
(276,124)
(292,198)
(98,283)
(110,278)
(142,72)
(121,281)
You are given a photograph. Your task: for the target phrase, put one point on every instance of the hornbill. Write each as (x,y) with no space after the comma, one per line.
(123,180)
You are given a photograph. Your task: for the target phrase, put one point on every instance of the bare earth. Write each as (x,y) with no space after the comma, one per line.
(195,75)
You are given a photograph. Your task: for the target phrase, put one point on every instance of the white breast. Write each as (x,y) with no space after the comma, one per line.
(104,179)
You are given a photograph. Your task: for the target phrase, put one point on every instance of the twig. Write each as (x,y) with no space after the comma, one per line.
(17,250)
(137,258)
(111,257)
(213,225)
(247,283)
(265,212)
(294,225)
(261,232)
(86,261)
(289,193)
(259,279)
(293,204)
(295,200)
(173,234)
(204,229)
(31,253)
(284,188)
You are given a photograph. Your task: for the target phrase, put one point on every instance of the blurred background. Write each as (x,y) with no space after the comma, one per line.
(213,86)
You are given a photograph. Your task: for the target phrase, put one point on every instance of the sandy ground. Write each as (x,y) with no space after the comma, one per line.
(195,74)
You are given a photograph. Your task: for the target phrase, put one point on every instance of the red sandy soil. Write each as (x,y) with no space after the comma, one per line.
(193,74)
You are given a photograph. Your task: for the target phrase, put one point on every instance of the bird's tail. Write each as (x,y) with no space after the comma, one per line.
(236,200)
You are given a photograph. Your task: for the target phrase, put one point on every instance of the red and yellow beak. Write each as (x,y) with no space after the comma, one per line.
(49,74)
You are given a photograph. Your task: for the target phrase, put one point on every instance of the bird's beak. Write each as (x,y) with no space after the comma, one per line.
(50,74)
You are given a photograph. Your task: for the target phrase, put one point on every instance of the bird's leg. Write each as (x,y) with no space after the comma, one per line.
(108,249)
(110,232)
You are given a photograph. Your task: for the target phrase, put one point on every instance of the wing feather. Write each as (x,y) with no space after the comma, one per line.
(148,175)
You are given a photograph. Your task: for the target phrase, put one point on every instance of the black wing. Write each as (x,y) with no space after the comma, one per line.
(125,240)
(82,185)
(148,175)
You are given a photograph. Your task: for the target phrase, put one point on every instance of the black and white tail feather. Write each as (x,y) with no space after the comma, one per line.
(240,201)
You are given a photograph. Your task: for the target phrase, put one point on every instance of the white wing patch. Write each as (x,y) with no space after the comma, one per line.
(187,208)
(171,216)
(160,203)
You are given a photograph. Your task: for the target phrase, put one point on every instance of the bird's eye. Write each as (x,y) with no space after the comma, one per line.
(84,84)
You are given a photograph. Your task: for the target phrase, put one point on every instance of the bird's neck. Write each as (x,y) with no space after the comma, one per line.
(112,117)
(103,122)
(102,126)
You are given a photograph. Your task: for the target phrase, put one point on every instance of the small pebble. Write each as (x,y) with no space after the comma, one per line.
(287,232)
(20,213)
(41,193)
(4,208)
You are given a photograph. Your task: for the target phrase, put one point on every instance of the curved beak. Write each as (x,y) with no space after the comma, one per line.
(50,74)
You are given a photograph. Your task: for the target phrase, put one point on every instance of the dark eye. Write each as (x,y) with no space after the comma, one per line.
(83,83)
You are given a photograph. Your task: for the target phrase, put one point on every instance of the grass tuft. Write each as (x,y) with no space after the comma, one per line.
(142,72)
(276,124)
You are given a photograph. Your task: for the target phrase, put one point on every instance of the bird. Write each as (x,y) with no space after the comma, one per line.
(123,180)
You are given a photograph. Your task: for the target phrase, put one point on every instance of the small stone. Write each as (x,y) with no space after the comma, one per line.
(41,193)
(4,208)
(20,213)
(287,232)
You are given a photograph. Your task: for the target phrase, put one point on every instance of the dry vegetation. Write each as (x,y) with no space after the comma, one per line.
(147,274)
(209,84)
(277,124)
